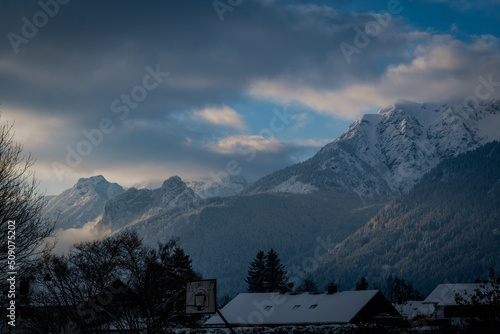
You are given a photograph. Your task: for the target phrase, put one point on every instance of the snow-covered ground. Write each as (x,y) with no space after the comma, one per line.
(325,329)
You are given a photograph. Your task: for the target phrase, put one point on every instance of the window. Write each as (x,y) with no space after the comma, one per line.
(313,306)
(268,307)
(295,307)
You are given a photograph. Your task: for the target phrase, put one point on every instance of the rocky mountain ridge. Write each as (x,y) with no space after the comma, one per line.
(81,204)
(385,154)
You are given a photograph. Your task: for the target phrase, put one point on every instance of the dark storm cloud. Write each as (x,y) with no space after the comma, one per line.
(91,52)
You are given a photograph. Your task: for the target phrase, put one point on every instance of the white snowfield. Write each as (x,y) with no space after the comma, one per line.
(295,187)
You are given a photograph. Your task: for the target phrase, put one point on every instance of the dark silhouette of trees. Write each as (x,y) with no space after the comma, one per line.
(23,230)
(275,274)
(482,308)
(19,203)
(266,273)
(256,273)
(78,288)
(76,285)
(401,290)
(167,271)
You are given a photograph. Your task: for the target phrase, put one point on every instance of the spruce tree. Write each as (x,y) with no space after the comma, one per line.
(256,274)
(275,274)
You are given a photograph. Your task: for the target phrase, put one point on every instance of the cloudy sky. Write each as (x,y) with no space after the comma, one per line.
(142,90)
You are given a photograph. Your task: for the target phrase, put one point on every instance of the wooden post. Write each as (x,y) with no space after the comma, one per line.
(225,321)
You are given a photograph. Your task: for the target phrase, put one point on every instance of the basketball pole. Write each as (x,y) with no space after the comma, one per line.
(225,321)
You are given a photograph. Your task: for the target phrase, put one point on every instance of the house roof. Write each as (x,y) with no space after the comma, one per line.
(444,294)
(305,308)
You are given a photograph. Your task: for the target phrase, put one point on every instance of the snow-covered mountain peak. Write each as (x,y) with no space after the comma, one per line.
(399,105)
(135,205)
(82,203)
(174,191)
(386,153)
(93,180)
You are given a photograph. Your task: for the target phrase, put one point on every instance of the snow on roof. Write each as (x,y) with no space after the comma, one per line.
(444,294)
(305,308)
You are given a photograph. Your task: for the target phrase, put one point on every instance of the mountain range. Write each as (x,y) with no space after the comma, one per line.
(324,201)
(383,155)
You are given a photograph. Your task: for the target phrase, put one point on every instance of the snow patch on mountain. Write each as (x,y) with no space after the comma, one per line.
(293,186)
(212,187)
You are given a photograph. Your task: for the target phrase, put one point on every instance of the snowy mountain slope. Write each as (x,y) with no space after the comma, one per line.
(383,155)
(82,203)
(446,229)
(205,186)
(135,205)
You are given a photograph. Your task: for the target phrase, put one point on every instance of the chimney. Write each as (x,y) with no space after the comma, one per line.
(332,288)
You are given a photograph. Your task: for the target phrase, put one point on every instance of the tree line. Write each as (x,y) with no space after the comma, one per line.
(266,273)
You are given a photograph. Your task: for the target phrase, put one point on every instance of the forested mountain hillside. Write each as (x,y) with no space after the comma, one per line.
(222,235)
(446,229)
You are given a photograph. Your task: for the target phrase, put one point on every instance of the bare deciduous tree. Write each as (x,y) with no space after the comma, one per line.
(19,201)
(23,230)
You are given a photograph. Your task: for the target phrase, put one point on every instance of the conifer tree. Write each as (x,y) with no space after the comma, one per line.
(275,274)
(256,274)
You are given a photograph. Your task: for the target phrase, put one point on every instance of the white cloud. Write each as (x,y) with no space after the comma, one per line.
(89,232)
(346,103)
(224,116)
(315,143)
(238,144)
(444,68)
(440,69)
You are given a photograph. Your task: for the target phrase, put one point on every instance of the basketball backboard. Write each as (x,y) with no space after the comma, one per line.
(201,297)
